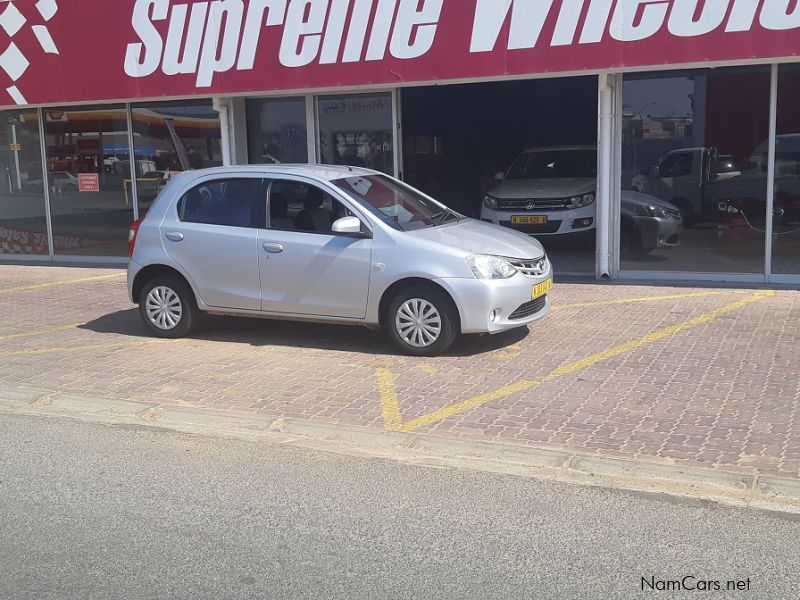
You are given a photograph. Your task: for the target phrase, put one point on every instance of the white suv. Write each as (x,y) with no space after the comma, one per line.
(547,191)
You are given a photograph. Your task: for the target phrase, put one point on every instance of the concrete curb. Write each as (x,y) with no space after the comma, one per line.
(747,487)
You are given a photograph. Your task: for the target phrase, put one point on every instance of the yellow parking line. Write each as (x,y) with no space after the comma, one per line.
(39,351)
(444,413)
(391,405)
(14,336)
(391,408)
(642,299)
(88,347)
(37,286)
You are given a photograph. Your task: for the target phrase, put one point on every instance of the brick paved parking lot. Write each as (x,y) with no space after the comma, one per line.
(707,377)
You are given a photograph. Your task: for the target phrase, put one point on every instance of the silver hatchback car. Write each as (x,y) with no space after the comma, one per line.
(330,244)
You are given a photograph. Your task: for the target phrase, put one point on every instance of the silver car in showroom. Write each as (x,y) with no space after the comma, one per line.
(330,244)
(551,192)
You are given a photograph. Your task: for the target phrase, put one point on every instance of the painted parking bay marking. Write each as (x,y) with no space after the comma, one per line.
(642,299)
(36,286)
(36,332)
(393,420)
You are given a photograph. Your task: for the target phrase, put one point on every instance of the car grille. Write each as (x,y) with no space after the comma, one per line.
(529,204)
(528,309)
(531,268)
(549,227)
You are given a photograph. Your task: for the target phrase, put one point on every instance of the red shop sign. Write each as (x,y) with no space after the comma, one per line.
(152,48)
(88,182)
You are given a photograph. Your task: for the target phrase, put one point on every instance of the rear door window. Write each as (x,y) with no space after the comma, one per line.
(233,202)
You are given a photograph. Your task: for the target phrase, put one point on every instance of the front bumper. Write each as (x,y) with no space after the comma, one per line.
(487,306)
(658,233)
(559,222)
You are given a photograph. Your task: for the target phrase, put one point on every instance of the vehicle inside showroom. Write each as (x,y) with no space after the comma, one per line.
(634,140)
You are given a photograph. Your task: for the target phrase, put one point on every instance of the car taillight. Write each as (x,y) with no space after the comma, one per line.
(134,231)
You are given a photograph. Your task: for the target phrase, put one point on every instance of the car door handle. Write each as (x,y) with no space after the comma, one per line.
(174,236)
(273,248)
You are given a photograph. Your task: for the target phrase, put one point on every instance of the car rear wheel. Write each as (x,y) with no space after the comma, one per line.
(167,307)
(422,321)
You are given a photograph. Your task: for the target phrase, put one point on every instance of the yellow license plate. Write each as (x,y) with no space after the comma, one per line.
(540,289)
(529,220)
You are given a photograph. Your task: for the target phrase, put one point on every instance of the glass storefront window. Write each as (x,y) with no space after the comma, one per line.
(276,130)
(694,187)
(171,137)
(87,169)
(23,226)
(357,130)
(786,208)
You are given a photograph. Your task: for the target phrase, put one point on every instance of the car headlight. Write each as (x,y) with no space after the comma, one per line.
(490,202)
(660,212)
(484,266)
(579,201)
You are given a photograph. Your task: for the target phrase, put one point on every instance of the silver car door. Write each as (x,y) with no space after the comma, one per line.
(212,233)
(305,268)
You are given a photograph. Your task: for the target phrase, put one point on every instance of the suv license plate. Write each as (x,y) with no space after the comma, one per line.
(540,289)
(528,220)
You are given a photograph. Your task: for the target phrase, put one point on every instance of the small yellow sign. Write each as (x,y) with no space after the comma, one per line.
(15,147)
(540,289)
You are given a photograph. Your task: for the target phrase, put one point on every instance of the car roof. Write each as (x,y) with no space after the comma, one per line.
(323,172)
(555,148)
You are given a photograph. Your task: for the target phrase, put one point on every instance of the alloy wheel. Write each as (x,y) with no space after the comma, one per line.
(164,307)
(419,323)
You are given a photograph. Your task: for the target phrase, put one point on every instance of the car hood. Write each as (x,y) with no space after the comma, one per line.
(477,237)
(543,188)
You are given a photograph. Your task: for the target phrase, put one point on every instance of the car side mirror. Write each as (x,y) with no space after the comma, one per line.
(348,226)
(499,176)
(654,172)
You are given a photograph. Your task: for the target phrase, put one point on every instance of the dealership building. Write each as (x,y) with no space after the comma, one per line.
(687,110)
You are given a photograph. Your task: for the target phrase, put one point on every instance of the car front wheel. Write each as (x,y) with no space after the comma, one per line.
(422,321)
(167,307)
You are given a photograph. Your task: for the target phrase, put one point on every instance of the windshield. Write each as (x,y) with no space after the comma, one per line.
(554,164)
(394,203)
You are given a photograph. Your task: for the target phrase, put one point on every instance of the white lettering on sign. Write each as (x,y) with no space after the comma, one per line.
(632,20)
(222,35)
(527,20)
(142,58)
(206,38)
(683,24)
(650,15)
(775,15)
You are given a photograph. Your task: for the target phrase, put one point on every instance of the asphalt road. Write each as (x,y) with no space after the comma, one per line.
(100,511)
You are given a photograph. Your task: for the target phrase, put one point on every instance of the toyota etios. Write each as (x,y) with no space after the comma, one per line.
(330,244)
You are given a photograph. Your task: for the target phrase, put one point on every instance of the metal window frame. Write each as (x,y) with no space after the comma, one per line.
(46,185)
(132,162)
(771,161)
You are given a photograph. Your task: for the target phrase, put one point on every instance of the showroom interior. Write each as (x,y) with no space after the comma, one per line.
(697,169)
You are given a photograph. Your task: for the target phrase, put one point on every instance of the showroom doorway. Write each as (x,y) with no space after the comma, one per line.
(527,145)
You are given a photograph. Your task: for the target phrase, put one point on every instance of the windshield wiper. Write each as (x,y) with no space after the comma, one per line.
(442,217)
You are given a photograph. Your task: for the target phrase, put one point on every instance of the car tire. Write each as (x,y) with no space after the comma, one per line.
(629,241)
(438,330)
(687,213)
(168,307)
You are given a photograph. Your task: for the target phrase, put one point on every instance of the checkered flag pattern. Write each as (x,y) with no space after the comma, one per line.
(13,23)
